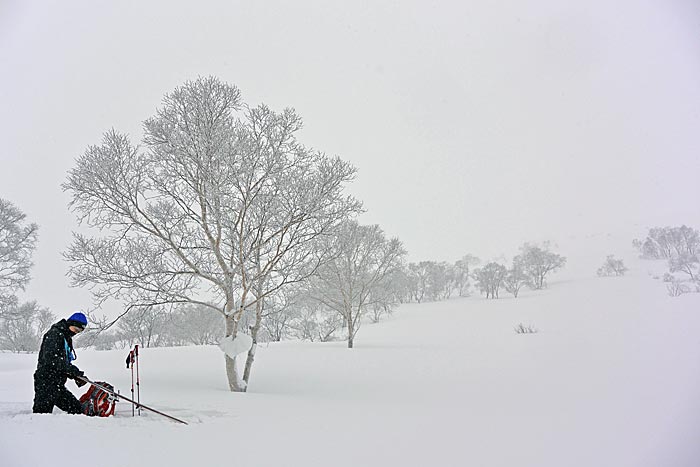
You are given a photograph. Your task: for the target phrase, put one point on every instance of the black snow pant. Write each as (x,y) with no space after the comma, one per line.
(48,394)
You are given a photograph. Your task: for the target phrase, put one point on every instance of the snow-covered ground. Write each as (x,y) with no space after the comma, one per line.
(612,378)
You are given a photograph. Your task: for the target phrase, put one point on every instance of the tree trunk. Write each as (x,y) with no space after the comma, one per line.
(249,360)
(351,333)
(235,383)
(540,281)
(254,335)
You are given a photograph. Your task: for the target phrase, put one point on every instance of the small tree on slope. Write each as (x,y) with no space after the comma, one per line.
(515,277)
(490,278)
(358,276)
(538,262)
(612,267)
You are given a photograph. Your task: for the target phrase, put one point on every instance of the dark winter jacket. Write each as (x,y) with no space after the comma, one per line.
(56,354)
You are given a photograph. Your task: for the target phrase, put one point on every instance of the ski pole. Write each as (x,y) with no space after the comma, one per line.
(119,396)
(138,381)
(130,364)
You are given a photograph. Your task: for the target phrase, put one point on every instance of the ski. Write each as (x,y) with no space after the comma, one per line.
(118,396)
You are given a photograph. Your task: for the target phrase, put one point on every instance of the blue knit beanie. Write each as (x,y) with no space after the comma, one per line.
(77,319)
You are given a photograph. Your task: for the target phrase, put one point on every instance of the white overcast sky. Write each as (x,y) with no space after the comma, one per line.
(475,125)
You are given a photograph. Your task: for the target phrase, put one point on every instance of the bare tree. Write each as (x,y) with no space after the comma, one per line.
(419,280)
(144,326)
(280,312)
(442,281)
(538,262)
(462,273)
(316,322)
(612,267)
(193,324)
(431,280)
(355,280)
(392,289)
(490,278)
(685,263)
(675,287)
(685,241)
(22,327)
(667,242)
(221,199)
(17,243)
(401,284)
(107,341)
(515,277)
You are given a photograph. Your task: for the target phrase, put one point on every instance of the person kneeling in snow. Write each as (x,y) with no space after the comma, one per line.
(54,367)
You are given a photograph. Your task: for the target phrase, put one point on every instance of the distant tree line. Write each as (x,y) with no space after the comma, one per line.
(366,281)
(433,281)
(160,327)
(363,278)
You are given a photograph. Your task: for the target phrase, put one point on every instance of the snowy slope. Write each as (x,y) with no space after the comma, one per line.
(611,379)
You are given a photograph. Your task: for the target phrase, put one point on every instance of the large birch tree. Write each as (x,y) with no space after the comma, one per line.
(221,206)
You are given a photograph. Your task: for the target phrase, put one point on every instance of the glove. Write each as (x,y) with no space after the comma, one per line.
(75,373)
(80,383)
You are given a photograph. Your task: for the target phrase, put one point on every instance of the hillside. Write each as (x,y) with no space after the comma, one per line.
(611,379)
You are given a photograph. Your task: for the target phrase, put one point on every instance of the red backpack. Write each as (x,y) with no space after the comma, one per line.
(97,402)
